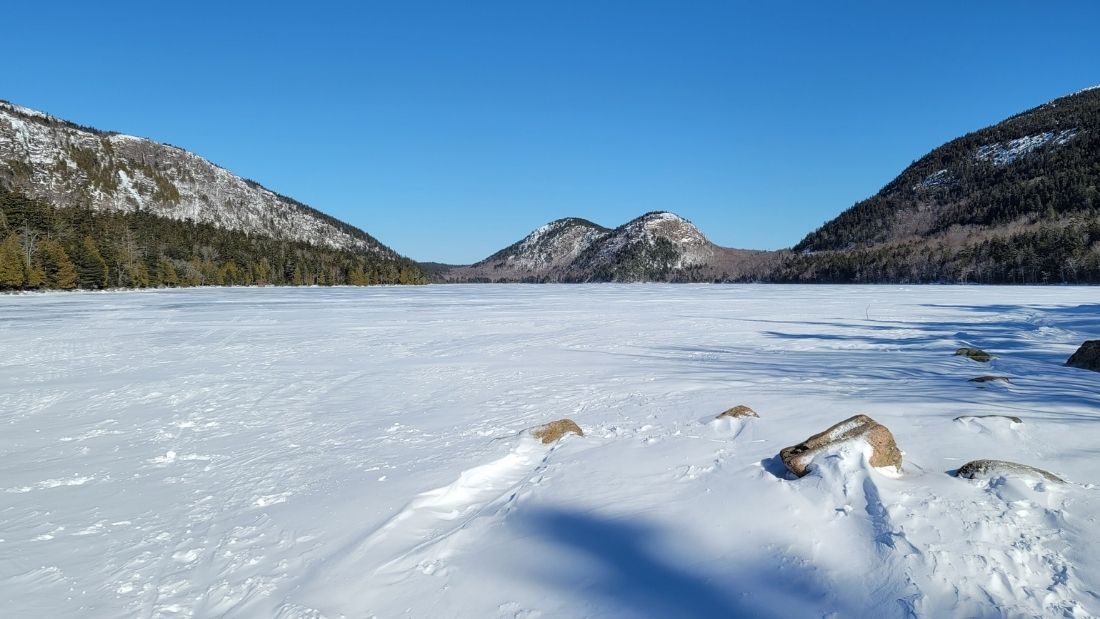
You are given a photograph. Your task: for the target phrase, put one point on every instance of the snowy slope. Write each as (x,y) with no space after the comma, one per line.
(543,254)
(356,452)
(67,166)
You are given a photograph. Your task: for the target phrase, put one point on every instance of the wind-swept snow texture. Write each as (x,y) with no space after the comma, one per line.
(360,453)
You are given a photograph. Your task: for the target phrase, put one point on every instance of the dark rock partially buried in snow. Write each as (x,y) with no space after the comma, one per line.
(1087,356)
(986,469)
(553,431)
(738,411)
(860,428)
(976,354)
(990,379)
(1012,418)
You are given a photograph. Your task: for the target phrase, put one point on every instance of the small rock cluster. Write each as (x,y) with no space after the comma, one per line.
(863,429)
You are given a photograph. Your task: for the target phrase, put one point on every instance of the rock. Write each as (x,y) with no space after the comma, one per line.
(738,411)
(553,431)
(1012,418)
(985,469)
(1087,356)
(976,354)
(990,379)
(860,428)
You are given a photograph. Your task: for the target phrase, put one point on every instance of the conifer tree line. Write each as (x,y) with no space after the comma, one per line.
(1063,253)
(42,247)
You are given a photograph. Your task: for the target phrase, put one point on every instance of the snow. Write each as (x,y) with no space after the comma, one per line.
(207,192)
(1001,154)
(935,179)
(360,452)
(25,111)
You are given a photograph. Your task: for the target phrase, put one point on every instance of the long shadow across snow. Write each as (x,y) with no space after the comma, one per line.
(620,569)
(1030,343)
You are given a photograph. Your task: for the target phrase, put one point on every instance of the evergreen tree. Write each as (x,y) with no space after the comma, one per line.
(58,269)
(13,266)
(166,273)
(91,269)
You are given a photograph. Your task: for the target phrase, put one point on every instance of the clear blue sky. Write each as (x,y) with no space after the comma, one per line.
(449,130)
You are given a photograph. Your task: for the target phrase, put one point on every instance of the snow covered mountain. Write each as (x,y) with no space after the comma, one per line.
(544,254)
(658,246)
(68,165)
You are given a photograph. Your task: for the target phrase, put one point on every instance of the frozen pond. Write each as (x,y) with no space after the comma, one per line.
(355,452)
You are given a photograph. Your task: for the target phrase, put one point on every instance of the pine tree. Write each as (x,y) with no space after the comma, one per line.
(166,273)
(13,266)
(59,270)
(91,269)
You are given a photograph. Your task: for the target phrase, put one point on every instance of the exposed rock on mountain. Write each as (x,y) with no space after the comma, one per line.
(67,165)
(658,246)
(543,255)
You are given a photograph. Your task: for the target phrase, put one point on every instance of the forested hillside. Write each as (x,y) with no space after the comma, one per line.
(1015,203)
(1041,165)
(42,247)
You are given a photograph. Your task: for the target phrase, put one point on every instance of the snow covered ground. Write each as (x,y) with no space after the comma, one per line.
(355,452)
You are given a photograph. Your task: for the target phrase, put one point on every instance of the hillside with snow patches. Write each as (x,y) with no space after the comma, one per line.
(363,452)
(67,165)
(658,246)
(1039,167)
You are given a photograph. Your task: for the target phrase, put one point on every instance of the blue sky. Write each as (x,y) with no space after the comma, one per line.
(450,129)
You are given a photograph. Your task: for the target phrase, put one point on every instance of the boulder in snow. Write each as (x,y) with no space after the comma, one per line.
(1012,418)
(553,431)
(1087,356)
(738,411)
(986,469)
(990,379)
(976,354)
(860,428)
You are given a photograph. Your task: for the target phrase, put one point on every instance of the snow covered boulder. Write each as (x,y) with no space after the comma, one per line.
(976,354)
(1087,356)
(553,431)
(738,411)
(987,469)
(990,379)
(1008,418)
(858,429)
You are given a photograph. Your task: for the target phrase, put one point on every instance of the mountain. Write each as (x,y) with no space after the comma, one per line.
(68,165)
(62,179)
(544,255)
(1017,202)
(658,246)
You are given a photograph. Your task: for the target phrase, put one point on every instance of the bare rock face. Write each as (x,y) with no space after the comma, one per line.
(976,354)
(1087,356)
(985,469)
(553,431)
(860,428)
(738,411)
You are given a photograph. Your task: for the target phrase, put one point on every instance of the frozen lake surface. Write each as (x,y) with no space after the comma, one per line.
(358,452)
